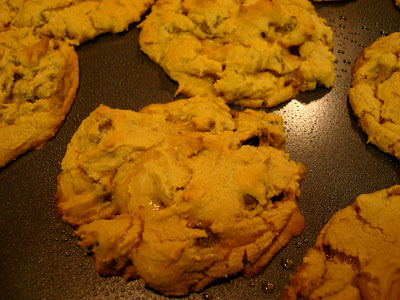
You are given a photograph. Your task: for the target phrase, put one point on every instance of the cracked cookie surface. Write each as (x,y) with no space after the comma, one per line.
(180,194)
(38,78)
(356,255)
(72,21)
(375,93)
(251,53)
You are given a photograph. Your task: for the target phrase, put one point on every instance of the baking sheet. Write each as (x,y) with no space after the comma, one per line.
(39,257)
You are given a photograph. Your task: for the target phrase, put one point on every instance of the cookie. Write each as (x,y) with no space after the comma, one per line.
(357,253)
(375,93)
(257,53)
(73,21)
(180,194)
(38,78)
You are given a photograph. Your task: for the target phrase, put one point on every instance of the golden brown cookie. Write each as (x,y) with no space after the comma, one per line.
(180,194)
(72,21)
(257,53)
(356,255)
(38,78)
(375,93)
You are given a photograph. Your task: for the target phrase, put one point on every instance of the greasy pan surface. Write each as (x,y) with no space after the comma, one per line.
(39,257)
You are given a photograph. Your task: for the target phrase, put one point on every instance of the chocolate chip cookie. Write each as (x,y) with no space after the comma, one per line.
(72,21)
(375,93)
(250,53)
(39,77)
(181,194)
(357,253)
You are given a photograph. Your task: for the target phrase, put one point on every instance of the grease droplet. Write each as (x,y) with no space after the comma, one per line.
(287,263)
(384,33)
(207,296)
(267,287)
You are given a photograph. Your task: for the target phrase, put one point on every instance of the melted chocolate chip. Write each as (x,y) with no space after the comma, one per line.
(294,50)
(249,202)
(206,242)
(105,126)
(253,141)
(278,197)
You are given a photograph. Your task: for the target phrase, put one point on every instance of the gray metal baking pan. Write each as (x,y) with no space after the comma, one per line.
(39,256)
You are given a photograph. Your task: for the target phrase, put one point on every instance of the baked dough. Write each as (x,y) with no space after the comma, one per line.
(75,21)
(38,79)
(251,53)
(180,194)
(375,93)
(356,255)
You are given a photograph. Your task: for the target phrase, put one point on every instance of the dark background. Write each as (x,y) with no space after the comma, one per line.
(39,257)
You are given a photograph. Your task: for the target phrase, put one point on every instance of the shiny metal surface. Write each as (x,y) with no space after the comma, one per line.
(39,257)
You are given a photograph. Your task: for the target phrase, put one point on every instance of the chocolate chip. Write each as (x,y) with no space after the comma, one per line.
(278,197)
(206,242)
(253,141)
(294,50)
(105,126)
(249,202)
